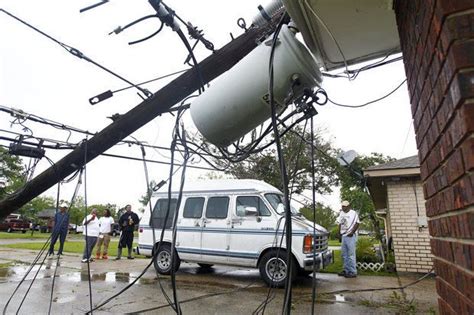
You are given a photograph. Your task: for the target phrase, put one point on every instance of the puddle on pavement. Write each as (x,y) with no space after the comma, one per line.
(65,299)
(17,272)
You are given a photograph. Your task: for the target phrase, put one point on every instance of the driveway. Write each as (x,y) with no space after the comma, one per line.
(218,290)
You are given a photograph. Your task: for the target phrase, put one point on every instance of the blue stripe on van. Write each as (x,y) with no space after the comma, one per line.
(244,255)
(233,231)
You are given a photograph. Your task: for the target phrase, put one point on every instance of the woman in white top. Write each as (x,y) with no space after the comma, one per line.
(91,233)
(105,230)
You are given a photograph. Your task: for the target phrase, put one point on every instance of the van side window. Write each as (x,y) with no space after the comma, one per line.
(193,207)
(217,207)
(159,213)
(251,201)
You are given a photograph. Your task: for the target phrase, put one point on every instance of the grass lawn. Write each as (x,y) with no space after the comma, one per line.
(334,243)
(73,247)
(27,235)
(36,235)
(337,267)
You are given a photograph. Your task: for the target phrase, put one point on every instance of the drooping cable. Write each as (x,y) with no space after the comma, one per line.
(86,229)
(57,261)
(369,102)
(313,195)
(286,308)
(36,259)
(149,194)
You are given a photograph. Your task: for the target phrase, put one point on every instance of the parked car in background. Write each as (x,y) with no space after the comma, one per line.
(79,229)
(72,227)
(12,225)
(115,229)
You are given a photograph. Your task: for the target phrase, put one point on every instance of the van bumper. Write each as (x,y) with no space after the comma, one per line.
(321,260)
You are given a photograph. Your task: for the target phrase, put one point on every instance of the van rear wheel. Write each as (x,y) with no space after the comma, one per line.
(273,268)
(162,261)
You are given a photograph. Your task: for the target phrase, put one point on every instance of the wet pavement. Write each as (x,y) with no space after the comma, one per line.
(217,290)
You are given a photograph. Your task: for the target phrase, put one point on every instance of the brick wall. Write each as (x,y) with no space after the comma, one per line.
(437,39)
(411,244)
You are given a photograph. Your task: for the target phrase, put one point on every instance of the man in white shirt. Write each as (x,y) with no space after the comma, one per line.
(348,221)
(105,230)
(91,233)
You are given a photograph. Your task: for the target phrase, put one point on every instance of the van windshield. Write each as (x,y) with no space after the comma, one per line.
(276,201)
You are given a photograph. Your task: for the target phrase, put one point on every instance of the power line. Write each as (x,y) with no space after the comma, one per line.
(370,102)
(77,53)
(68,146)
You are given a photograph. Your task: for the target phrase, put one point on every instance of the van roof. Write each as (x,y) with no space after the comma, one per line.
(220,185)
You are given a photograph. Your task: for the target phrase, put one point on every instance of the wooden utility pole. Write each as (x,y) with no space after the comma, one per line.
(211,67)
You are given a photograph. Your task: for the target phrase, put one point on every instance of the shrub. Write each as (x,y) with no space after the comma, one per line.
(334,233)
(365,250)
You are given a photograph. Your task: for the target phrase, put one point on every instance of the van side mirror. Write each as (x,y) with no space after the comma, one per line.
(251,211)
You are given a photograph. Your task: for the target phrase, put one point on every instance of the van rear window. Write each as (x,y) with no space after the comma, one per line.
(159,213)
(193,207)
(217,207)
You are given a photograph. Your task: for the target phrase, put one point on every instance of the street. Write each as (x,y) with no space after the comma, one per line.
(218,290)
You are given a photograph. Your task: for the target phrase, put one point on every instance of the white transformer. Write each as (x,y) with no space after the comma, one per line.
(238,101)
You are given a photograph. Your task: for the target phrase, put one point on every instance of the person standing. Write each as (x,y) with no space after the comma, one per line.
(60,229)
(91,233)
(348,221)
(105,230)
(127,223)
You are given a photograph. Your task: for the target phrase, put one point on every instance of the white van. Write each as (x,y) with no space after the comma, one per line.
(232,222)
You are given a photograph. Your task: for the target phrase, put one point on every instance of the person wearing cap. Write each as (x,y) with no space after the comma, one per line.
(60,229)
(91,233)
(348,222)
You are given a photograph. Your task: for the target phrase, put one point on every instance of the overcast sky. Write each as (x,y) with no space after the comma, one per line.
(39,77)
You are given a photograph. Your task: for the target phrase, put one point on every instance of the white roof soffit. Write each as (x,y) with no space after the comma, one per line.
(363,29)
(393,172)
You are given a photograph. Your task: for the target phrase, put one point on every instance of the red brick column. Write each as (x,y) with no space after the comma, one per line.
(437,39)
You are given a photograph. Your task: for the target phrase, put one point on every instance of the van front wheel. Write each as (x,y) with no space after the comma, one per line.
(273,268)
(162,261)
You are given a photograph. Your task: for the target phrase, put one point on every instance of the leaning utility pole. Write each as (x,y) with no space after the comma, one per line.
(210,68)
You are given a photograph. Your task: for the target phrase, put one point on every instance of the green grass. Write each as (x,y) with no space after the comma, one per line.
(27,235)
(334,243)
(337,267)
(5,265)
(36,235)
(72,247)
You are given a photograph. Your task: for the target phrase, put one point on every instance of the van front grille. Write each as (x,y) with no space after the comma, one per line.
(321,242)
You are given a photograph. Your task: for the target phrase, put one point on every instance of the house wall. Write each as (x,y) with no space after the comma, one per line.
(437,40)
(411,244)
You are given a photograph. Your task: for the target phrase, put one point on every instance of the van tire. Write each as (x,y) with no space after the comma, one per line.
(205,266)
(267,268)
(162,261)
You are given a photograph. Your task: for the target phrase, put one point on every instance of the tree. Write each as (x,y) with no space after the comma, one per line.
(11,173)
(297,153)
(31,209)
(325,216)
